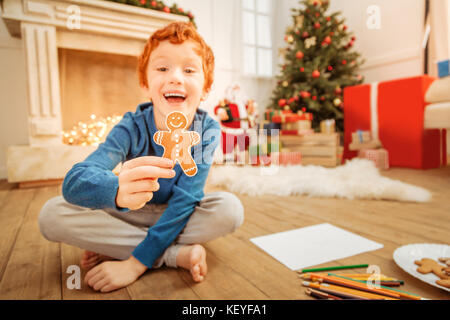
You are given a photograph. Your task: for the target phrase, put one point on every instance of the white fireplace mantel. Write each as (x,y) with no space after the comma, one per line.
(45,26)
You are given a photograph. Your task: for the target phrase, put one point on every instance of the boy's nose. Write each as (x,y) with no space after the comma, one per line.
(176,76)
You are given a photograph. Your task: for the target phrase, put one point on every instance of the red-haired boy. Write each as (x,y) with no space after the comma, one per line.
(151,213)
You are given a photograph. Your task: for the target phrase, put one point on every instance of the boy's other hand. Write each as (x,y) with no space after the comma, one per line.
(138,179)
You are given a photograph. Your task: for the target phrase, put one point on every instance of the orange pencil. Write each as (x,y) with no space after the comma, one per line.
(354,284)
(345,292)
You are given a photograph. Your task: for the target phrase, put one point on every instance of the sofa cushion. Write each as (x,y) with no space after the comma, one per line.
(437,116)
(439,91)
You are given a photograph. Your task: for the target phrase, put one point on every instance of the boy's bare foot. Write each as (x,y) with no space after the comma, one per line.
(193,258)
(90,259)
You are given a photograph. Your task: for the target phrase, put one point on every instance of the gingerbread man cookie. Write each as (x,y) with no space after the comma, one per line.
(177,142)
(427,265)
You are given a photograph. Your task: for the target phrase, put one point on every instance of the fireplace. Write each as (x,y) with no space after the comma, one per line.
(80,60)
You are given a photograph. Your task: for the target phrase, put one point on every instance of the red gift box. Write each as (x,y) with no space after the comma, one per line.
(394,113)
(379,156)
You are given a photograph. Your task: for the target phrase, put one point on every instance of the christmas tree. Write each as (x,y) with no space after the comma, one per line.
(318,64)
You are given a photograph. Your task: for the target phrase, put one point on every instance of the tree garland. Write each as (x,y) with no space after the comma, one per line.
(160,6)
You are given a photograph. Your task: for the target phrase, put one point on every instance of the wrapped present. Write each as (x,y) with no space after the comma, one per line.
(379,156)
(393,111)
(328,126)
(291,117)
(286,158)
(361,136)
(443,68)
(301,125)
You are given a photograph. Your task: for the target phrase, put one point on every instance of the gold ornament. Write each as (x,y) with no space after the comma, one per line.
(285,83)
(337,102)
(310,42)
(290,39)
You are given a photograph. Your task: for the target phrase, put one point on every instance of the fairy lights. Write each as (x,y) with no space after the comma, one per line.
(91,133)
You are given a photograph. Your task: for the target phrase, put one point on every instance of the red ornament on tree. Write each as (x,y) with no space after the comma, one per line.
(315,74)
(153,3)
(299,55)
(344,62)
(328,19)
(338,91)
(143,1)
(327,40)
(314,98)
(322,98)
(330,68)
(166,9)
(305,34)
(305,94)
(317,25)
(282,102)
(302,69)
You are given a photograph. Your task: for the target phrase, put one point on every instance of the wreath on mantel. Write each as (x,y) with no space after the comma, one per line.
(160,6)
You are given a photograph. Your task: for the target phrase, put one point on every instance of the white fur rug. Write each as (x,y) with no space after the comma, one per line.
(357,179)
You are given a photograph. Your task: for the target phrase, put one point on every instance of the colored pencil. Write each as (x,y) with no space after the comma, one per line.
(321,295)
(334,268)
(345,292)
(401,293)
(347,282)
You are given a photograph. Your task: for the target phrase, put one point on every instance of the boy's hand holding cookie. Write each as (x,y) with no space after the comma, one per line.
(138,179)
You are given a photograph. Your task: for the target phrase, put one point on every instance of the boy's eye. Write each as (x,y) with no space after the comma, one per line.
(162,69)
(189,70)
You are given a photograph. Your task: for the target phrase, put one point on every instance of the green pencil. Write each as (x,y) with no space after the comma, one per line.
(335,268)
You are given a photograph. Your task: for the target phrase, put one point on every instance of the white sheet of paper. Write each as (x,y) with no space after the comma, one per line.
(314,245)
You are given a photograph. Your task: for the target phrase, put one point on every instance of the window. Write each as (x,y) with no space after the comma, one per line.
(257,38)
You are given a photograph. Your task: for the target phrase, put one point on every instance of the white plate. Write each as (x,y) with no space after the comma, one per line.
(406,255)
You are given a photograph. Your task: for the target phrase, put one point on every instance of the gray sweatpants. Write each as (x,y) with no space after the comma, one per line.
(116,234)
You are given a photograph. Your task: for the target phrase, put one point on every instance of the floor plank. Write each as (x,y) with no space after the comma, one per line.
(161,284)
(12,213)
(32,271)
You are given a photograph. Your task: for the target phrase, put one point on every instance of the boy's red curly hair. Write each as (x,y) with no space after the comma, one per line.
(177,33)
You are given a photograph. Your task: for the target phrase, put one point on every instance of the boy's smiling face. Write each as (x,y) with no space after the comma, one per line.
(175,80)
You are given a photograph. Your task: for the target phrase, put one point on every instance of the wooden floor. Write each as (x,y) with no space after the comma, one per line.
(34,268)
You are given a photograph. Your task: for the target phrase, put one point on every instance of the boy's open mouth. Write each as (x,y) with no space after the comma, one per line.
(175,97)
